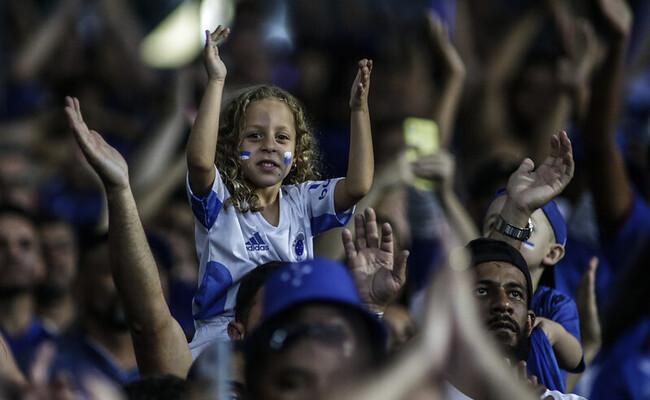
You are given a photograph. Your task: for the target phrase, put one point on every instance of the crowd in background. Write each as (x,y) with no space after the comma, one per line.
(498,78)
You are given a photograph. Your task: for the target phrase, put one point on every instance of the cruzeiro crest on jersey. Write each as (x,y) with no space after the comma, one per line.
(256,243)
(298,246)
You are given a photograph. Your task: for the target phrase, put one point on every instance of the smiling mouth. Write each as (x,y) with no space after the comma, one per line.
(268,164)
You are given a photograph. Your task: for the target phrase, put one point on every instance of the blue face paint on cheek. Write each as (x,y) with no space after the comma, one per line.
(529,244)
(287,158)
(244,155)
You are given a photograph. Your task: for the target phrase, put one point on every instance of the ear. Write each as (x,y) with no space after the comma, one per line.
(554,255)
(530,323)
(236,330)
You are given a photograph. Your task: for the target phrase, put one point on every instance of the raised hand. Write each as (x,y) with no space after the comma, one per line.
(213,64)
(588,311)
(107,162)
(439,166)
(531,188)
(378,273)
(361,86)
(618,16)
(439,33)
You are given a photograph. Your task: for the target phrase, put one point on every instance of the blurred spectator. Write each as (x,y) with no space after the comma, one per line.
(21,269)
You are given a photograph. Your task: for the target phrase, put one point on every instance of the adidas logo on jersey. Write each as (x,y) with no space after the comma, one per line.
(255,243)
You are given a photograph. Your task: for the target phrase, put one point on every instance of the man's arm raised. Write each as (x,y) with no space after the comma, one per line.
(158,340)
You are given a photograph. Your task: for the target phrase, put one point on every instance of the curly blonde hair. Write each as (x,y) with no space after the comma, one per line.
(231,125)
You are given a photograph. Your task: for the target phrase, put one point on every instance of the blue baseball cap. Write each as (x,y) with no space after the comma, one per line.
(554,217)
(317,280)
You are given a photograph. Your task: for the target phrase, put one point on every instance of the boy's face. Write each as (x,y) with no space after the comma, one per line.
(268,142)
(541,239)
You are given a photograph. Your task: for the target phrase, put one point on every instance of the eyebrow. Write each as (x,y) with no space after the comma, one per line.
(257,126)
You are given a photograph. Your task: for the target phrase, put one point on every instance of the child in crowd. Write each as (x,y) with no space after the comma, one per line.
(250,188)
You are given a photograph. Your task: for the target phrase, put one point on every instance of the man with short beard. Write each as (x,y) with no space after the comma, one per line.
(503,290)
(101,344)
(21,266)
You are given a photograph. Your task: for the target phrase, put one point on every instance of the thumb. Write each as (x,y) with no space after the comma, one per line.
(399,269)
(526,166)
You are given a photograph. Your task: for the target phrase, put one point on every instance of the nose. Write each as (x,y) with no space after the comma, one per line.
(269,143)
(500,302)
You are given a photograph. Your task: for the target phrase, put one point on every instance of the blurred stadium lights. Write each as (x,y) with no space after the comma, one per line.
(179,38)
(277,33)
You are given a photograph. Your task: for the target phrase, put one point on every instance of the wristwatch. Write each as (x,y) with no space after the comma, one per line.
(521,234)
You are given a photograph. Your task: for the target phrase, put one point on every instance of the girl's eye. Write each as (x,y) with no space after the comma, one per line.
(480,291)
(283,137)
(253,135)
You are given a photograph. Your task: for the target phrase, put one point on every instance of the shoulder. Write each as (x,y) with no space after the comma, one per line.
(548,297)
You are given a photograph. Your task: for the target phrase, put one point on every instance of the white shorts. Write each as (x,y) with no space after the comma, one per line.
(207,332)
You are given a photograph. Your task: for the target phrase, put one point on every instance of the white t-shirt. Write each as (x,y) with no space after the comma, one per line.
(455,394)
(229,244)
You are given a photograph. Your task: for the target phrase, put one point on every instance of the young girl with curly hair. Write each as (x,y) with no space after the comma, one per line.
(256,198)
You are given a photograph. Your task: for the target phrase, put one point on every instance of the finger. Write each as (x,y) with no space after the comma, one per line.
(387,238)
(591,274)
(78,108)
(521,370)
(399,267)
(359,232)
(41,366)
(526,167)
(348,244)
(208,38)
(372,233)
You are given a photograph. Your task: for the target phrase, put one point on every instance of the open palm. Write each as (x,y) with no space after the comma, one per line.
(107,162)
(531,188)
(379,275)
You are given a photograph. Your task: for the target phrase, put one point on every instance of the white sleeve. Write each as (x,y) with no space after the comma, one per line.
(206,208)
(554,394)
(318,198)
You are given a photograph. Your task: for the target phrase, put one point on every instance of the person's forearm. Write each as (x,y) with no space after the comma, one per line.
(32,57)
(605,167)
(152,161)
(566,347)
(445,113)
(159,343)
(202,143)
(556,120)
(458,216)
(509,53)
(361,163)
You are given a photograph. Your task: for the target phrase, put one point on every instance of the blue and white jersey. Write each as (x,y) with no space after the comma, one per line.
(229,244)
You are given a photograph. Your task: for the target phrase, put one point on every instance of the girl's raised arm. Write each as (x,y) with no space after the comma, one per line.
(202,143)
(361,162)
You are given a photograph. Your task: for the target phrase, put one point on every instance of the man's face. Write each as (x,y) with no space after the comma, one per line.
(327,354)
(501,292)
(21,264)
(541,239)
(61,254)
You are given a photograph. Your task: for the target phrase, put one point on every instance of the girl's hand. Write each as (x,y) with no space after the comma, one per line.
(213,64)
(360,87)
